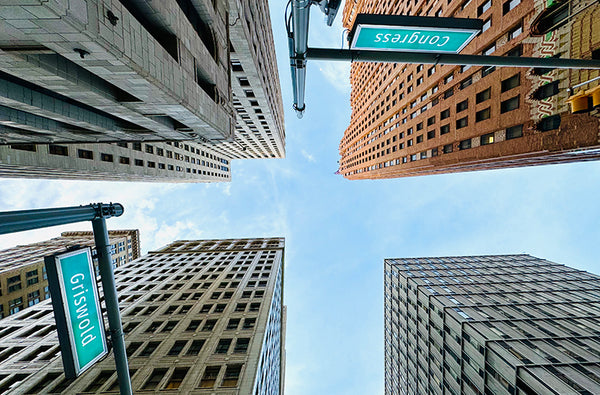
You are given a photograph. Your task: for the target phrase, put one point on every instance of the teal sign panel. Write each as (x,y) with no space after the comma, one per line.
(420,39)
(80,325)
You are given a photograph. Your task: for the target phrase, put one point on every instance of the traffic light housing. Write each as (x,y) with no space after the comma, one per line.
(584,101)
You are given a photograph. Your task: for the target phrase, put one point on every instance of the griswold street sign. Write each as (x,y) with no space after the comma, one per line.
(72,282)
(412,33)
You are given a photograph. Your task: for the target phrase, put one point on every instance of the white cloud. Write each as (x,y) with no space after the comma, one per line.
(308,156)
(337,74)
(139,200)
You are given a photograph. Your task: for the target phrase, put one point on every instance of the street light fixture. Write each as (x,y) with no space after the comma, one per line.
(296,22)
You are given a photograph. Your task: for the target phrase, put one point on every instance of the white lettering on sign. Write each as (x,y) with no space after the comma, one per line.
(82,309)
(414,37)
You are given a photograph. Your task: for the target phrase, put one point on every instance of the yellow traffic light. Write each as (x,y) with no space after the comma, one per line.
(584,101)
(595,94)
(579,103)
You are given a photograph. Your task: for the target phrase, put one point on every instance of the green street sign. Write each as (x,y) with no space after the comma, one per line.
(72,282)
(408,33)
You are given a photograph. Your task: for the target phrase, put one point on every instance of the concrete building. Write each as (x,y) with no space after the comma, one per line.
(200,74)
(200,317)
(23,279)
(419,119)
(505,324)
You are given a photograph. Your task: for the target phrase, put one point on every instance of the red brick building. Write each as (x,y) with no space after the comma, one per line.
(411,119)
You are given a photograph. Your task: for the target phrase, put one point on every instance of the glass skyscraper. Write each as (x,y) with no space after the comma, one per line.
(506,324)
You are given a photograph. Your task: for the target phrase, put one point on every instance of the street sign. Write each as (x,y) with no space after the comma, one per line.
(412,33)
(72,282)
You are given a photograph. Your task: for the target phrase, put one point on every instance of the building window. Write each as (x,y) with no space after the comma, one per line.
(545,91)
(484,7)
(466,82)
(14,283)
(99,381)
(419,138)
(85,154)
(448,78)
(489,50)
(169,327)
(483,95)
(463,105)
(233,323)
(511,82)
(445,114)
(514,132)
(431,71)
(430,134)
(465,144)
(209,325)
(487,24)
(137,146)
(58,150)
(509,5)
(487,70)
(509,105)
(232,375)
(24,147)
(176,378)
(448,148)
(445,129)
(139,162)
(461,123)
(449,92)
(549,123)
(209,377)
(194,324)
(431,121)
(249,323)
(515,32)
(223,346)
(155,378)
(149,349)
(241,346)
(516,51)
(123,160)
(487,139)
(482,115)
(177,347)
(195,347)
(106,157)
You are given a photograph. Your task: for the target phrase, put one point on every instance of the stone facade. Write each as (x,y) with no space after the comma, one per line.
(202,73)
(199,317)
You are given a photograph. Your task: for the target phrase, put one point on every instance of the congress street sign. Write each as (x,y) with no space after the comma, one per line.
(412,33)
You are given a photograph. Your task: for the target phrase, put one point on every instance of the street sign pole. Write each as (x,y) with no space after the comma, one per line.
(16,221)
(351,55)
(112,303)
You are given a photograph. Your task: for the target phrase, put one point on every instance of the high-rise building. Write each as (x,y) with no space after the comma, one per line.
(81,87)
(505,324)
(199,317)
(419,119)
(23,279)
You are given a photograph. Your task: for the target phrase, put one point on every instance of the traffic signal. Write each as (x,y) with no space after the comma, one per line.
(584,101)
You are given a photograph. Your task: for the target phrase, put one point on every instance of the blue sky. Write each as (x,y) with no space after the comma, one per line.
(338,232)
